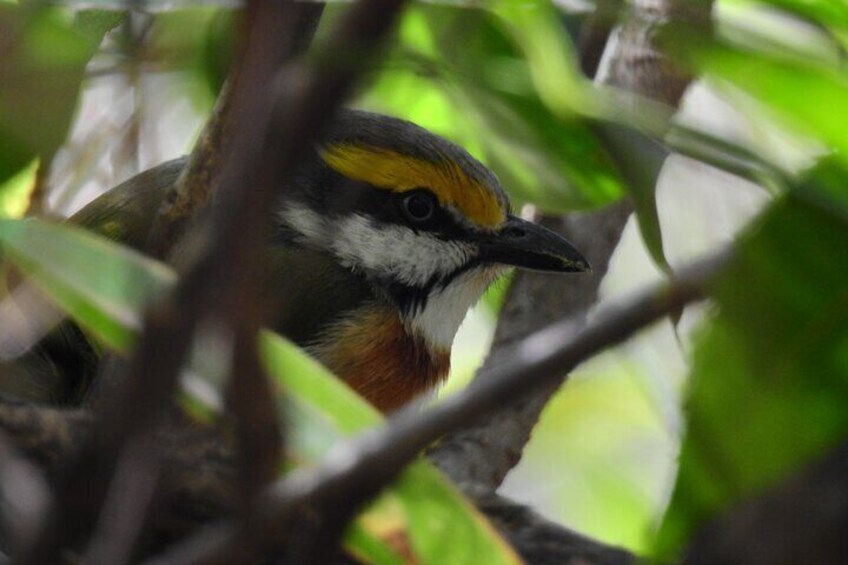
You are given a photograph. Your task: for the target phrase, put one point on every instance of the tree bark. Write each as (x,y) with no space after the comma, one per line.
(481,456)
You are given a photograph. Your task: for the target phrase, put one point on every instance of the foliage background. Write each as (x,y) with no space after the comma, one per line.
(505,86)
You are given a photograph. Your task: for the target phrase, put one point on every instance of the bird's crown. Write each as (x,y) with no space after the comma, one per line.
(427,224)
(400,157)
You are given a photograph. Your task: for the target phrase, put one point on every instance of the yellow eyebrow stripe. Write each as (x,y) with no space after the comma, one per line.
(400,173)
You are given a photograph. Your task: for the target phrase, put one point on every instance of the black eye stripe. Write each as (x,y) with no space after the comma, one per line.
(345,197)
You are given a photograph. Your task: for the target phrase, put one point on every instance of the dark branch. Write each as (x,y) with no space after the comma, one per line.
(595,33)
(199,466)
(202,172)
(542,542)
(483,454)
(120,461)
(372,460)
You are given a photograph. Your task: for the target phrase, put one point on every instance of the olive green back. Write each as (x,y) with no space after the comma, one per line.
(307,290)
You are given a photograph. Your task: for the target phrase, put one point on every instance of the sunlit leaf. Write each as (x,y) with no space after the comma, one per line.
(832,15)
(770,379)
(95,24)
(15,192)
(536,28)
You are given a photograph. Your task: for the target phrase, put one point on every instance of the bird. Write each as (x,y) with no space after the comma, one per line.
(379,244)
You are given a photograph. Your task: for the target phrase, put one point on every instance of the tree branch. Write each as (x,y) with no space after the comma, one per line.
(198,178)
(482,455)
(120,465)
(362,466)
(540,541)
(199,467)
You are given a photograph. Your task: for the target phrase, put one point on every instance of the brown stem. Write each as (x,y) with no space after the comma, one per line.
(482,455)
(341,485)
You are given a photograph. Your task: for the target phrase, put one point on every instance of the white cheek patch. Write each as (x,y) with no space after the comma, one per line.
(446,308)
(307,223)
(397,251)
(394,251)
(401,254)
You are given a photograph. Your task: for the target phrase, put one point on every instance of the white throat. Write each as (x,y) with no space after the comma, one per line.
(438,322)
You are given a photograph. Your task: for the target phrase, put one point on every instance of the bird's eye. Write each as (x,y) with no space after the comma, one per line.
(419,206)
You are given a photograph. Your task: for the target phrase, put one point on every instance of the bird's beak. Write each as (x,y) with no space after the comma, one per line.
(523,244)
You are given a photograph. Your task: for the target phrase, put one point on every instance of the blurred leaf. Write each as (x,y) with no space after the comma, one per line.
(770,378)
(804,95)
(15,192)
(484,96)
(41,68)
(640,160)
(536,28)
(832,15)
(105,287)
(197,43)
(95,24)
(512,96)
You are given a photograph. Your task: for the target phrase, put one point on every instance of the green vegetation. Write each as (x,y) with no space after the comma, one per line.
(768,382)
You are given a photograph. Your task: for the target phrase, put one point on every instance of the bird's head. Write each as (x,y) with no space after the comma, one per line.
(428,225)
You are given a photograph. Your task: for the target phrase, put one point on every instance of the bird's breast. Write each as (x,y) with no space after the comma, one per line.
(372,350)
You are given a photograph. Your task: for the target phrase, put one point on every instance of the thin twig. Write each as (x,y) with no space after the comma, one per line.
(137,407)
(306,100)
(231,294)
(199,466)
(359,468)
(194,188)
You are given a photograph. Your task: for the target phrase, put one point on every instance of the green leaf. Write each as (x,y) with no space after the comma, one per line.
(15,192)
(105,287)
(640,160)
(829,14)
(512,97)
(102,286)
(434,521)
(806,96)
(536,28)
(96,23)
(770,378)
(486,96)
(41,69)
